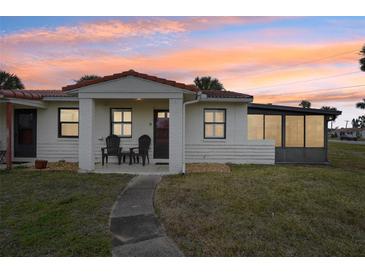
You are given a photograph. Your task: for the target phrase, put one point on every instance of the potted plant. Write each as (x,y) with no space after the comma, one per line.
(40,164)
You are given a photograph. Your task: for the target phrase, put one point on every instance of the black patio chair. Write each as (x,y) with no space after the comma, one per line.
(144,143)
(112,149)
(2,156)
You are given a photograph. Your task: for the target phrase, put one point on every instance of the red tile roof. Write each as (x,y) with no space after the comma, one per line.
(39,94)
(131,73)
(32,94)
(225,94)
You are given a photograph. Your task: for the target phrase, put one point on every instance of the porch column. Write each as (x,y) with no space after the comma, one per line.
(9,134)
(86,134)
(175,135)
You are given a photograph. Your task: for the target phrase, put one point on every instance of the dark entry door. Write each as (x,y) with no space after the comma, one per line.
(25,132)
(161,134)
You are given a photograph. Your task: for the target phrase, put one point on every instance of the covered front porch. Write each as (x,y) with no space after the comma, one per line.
(129,119)
(129,107)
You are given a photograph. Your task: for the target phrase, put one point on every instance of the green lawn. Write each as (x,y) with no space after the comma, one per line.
(282,210)
(56,213)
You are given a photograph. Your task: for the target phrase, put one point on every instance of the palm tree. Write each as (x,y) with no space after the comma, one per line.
(87,77)
(362,60)
(208,83)
(361,105)
(332,118)
(305,104)
(10,81)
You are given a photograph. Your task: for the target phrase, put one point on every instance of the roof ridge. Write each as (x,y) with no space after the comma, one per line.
(134,73)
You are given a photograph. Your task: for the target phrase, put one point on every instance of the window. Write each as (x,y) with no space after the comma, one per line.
(264,127)
(294,131)
(215,123)
(255,126)
(121,122)
(273,128)
(68,122)
(314,131)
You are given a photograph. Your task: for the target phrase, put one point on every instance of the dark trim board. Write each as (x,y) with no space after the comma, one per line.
(160,150)
(288,109)
(59,135)
(224,123)
(111,122)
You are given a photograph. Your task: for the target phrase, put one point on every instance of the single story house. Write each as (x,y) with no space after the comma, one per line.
(186,125)
(349,132)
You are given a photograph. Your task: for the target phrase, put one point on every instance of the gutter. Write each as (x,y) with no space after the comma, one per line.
(197,100)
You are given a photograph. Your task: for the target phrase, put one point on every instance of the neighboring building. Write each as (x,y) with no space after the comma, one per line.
(358,133)
(186,125)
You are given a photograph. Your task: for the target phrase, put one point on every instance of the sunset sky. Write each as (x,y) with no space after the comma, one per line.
(279,60)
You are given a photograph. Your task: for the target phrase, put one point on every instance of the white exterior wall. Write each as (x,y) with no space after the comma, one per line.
(49,146)
(3,141)
(176,135)
(235,148)
(86,134)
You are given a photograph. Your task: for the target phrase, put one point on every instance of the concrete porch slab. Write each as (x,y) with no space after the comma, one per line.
(135,169)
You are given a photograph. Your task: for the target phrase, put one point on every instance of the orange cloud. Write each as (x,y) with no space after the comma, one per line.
(241,67)
(315,96)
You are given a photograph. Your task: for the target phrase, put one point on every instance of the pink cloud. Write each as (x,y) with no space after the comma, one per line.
(93,32)
(116,29)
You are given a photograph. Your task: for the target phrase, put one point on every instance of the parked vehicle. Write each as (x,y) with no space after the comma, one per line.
(348,138)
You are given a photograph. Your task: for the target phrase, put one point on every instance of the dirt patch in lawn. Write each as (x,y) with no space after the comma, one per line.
(58,166)
(201,168)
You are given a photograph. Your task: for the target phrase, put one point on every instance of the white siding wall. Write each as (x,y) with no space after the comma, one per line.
(2,127)
(49,146)
(235,148)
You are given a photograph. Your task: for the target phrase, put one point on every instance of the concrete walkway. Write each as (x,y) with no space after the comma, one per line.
(135,228)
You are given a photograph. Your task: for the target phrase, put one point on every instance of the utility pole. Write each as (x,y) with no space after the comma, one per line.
(347,122)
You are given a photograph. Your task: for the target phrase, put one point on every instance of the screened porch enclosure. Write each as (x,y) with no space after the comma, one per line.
(299,137)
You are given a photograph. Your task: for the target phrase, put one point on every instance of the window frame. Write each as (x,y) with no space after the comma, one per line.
(224,123)
(281,129)
(60,123)
(296,115)
(324,132)
(263,137)
(305,131)
(122,122)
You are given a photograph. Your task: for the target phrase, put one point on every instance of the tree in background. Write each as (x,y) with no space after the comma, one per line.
(332,118)
(362,60)
(359,122)
(305,104)
(361,105)
(10,81)
(87,77)
(208,83)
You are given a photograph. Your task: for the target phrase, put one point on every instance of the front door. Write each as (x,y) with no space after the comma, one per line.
(25,132)
(161,134)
